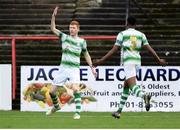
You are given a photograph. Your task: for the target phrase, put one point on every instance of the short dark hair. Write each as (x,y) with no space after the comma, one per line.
(131,20)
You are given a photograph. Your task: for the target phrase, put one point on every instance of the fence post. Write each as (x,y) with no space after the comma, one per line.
(127,11)
(13,67)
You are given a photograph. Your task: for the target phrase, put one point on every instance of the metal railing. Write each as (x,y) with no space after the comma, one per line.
(13,54)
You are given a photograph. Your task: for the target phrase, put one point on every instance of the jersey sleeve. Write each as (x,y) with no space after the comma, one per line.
(84,46)
(62,36)
(144,40)
(119,39)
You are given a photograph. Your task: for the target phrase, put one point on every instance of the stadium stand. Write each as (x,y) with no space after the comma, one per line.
(158,19)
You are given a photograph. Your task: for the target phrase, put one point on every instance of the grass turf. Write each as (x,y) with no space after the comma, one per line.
(89,120)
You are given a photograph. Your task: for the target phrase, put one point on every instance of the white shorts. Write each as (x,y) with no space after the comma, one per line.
(131,70)
(64,75)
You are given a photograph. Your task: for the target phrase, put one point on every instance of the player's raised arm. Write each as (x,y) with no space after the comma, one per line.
(154,54)
(107,56)
(53,24)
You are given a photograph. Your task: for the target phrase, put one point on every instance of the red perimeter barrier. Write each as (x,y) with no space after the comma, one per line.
(13,43)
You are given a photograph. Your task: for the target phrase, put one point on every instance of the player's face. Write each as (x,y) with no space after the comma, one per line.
(73,29)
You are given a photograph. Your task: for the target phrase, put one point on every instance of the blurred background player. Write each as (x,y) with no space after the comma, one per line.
(131,41)
(72,46)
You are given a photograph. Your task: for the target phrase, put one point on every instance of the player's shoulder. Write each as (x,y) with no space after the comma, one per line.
(124,32)
(82,40)
(120,34)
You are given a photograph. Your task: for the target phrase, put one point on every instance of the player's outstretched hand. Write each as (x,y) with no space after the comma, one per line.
(162,62)
(97,62)
(93,69)
(55,11)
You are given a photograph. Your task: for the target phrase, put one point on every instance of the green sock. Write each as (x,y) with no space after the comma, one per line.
(123,99)
(137,91)
(77,102)
(55,101)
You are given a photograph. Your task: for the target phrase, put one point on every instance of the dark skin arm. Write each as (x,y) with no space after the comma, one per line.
(154,54)
(114,49)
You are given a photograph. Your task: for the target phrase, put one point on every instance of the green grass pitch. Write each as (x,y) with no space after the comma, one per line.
(89,120)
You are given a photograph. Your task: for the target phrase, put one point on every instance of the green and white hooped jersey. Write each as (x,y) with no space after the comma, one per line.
(131,42)
(71,50)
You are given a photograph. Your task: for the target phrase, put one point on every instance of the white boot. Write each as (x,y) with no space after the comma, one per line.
(76,116)
(51,111)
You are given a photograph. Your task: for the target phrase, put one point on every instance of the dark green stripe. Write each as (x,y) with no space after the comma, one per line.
(78,101)
(70,41)
(130,49)
(57,106)
(136,89)
(84,50)
(126,91)
(138,93)
(144,41)
(78,107)
(128,37)
(131,58)
(55,101)
(121,102)
(119,110)
(60,34)
(71,53)
(52,95)
(78,113)
(123,97)
(77,95)
(72,64)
